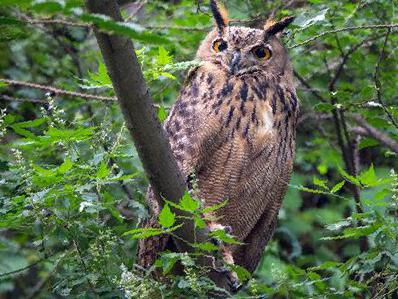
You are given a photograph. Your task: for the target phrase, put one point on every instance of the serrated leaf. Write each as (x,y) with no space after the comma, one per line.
(361,231)
(162,113)
(168,260)
(206,246)
(337,187)
(65,166)
(199,222)
(166,217)
(224,237)
(349,177)
(215,207)
(31,123)
(320,183)
(103,171)
(325,266)
(142,233)
(187,203)
(368,177)
(163,57)
(101,76)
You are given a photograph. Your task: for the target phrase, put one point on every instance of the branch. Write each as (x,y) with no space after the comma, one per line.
(12,99)
(352,28)
(378,83)
(148,135)
(57,91)
(90,26)
(366,129)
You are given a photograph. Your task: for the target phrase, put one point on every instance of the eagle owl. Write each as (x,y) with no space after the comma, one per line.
(233,126)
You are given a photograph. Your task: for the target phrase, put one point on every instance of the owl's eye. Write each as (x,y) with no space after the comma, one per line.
(262,52)
(220,45)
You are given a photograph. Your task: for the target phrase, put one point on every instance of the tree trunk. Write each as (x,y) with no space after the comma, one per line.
(149,137)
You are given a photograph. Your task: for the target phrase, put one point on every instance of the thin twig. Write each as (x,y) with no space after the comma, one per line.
(45,258)
(89,26)
(352,28)
(378,83)
(13,99)
(58,91)
(186,28)
(366,129)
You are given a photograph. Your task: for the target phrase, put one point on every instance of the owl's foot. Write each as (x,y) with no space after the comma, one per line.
(227,257)
(216,226)
(233,282)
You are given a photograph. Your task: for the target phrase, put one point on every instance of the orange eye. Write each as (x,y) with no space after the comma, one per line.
(220,45)
(263,53)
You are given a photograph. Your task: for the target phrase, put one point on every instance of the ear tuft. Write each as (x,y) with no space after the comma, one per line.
(220,15)
(271,27)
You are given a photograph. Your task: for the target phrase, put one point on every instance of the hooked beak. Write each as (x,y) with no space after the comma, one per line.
(233,65)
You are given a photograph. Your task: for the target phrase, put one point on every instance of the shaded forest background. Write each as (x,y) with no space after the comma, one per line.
(72,186)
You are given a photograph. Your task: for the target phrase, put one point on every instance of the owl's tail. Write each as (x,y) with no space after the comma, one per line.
(149,248)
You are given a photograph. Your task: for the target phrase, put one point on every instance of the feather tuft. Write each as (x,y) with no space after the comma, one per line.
(220,15)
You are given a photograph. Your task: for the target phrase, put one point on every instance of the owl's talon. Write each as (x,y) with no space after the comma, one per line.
(216,242)
(234,283)
(228,229)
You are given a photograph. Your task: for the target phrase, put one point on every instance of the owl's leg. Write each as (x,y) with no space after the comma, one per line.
(227,254)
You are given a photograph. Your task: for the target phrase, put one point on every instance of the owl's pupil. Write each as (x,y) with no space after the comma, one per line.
(222,46)
(260,52)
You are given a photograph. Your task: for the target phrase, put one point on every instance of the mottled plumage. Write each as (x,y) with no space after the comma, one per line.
(233,126)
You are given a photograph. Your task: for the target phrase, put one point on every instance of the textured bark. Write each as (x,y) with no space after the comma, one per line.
(149,137)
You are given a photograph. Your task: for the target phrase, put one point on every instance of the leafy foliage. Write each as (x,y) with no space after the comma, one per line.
(72,189)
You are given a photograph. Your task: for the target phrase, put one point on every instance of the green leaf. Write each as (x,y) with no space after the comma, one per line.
(78,134)
(166,217)
(356,232)
(361,231)
(221,235)
(103,171)
(199,222)
(241,272)
(101,76)
(322,169)
(31,123)
(320,183)
(323,107)
(337,187)
(215,207)
(368,142)
(206,246)
(325,266)
(164,57)
(187,203)
(349,177)
(131,30)
(368,177)
(65,166)
(142,233)
(168,260)
(162,113)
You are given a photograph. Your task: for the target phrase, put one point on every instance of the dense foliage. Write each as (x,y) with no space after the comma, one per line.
(72,188)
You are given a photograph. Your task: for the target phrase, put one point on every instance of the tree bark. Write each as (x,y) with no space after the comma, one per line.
(148,135)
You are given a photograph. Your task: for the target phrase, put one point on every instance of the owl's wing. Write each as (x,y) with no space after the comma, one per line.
(193,133)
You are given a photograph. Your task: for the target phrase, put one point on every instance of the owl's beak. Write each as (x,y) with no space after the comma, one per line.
(233,65)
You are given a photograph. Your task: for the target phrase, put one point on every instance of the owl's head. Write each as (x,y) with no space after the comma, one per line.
(242,50)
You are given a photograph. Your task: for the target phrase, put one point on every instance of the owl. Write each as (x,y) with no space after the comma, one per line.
(233,126)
